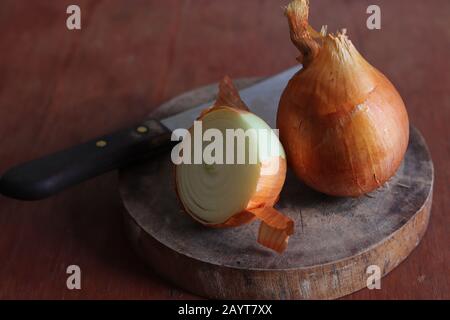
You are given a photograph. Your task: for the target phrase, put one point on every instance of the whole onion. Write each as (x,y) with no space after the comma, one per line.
(342,123)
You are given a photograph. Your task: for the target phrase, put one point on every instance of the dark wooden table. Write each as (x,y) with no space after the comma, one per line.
(61,87)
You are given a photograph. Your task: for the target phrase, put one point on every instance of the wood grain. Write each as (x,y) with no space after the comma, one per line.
(60,87)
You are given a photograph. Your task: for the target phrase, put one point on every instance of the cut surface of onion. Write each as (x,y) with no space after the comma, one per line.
(245,180)
(215,192)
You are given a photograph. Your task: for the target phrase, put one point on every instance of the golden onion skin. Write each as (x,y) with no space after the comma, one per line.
(342,123)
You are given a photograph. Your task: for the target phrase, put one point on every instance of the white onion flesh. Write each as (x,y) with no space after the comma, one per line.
(215,193)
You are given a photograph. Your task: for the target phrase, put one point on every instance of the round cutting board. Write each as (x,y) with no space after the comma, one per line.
(335,240)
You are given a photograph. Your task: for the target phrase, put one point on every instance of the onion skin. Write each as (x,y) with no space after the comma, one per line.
(275,229)
(342,123)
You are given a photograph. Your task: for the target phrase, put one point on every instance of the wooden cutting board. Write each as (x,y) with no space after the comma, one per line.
(335,240)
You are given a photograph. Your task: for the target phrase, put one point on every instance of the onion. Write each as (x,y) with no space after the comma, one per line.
(228,195)
(344,126)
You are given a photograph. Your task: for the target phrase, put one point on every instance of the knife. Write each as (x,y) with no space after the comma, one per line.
(41,178)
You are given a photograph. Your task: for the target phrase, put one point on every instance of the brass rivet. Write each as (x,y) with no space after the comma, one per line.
(142,129)
(101,144)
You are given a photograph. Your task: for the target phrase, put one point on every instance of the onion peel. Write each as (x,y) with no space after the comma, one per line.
(275,228)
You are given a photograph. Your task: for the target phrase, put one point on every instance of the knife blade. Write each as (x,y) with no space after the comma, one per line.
(41,178)
(262,99)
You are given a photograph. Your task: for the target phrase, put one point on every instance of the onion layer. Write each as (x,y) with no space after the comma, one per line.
(231,194)
(343,124)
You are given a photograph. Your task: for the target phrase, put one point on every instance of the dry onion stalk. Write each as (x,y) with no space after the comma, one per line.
(230,195)
(344,126)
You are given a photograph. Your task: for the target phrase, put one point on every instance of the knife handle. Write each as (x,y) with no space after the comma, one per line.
(44,177)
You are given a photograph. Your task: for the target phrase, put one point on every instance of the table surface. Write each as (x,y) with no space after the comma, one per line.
(60,87)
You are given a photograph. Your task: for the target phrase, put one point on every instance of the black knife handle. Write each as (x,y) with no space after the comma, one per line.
(44,177)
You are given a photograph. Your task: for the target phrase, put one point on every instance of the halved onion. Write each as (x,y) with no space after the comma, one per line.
(232,193)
